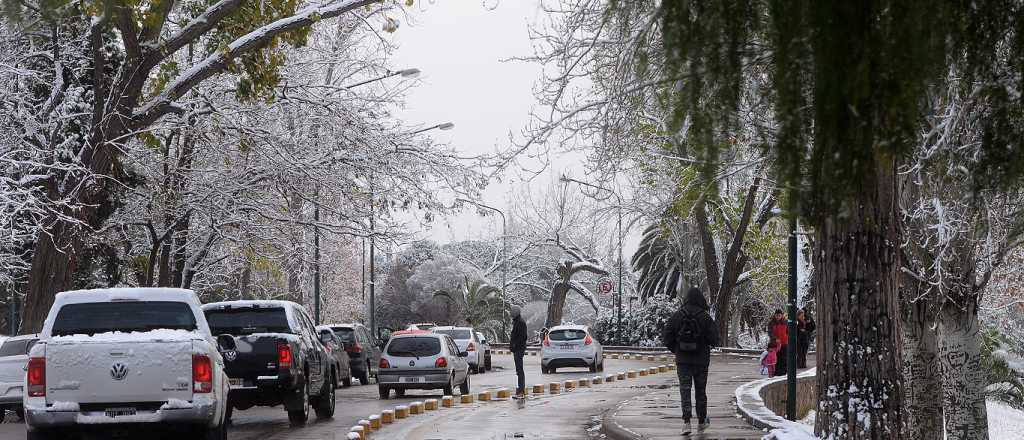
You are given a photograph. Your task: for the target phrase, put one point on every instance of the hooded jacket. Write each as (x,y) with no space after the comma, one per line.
(517,340)
(694,305)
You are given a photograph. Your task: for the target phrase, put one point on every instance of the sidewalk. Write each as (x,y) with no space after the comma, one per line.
(657,415)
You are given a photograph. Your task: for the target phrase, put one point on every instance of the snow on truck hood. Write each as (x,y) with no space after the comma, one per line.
(152,335)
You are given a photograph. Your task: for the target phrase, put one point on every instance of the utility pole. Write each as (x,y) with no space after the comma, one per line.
(316,260)
(504,261)
(373,279)
(791,351)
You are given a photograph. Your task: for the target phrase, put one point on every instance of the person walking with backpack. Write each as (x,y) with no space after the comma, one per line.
(690,334)
(517,345)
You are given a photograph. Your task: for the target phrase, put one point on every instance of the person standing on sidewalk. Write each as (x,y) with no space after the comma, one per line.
(690,334)
(517,345)
(778,329)
(805,332)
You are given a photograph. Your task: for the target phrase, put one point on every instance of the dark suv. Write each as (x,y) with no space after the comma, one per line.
(279,359)
(363,350)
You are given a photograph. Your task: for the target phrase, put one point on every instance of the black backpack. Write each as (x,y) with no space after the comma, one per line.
(689,338)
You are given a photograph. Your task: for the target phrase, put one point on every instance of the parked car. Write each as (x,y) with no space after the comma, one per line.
(280,359)
(133,356)
(363,350)
(571,346)
(486,348)
(421,326)
(13,362)
(336,347)
(418,359)
(466,339)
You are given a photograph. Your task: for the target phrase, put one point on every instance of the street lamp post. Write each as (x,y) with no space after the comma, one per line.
(373,242)
(406,73)
(618,299)
(504,259)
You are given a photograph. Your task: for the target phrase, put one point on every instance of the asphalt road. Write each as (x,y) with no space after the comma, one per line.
(568,416)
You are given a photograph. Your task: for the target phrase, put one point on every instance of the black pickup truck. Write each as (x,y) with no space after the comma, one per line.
(278,358)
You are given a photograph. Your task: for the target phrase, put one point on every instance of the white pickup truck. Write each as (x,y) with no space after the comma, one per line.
(115,359)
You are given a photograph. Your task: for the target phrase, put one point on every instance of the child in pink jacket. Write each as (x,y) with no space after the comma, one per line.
(769,357)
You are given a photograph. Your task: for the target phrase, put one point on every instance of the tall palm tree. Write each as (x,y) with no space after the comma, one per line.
(480,304)
(666,262)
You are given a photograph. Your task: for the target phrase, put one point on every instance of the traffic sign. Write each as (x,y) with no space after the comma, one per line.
(605,286)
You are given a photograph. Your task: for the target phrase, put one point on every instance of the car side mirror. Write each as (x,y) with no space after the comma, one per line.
(226,343)
(463,354)
(325,338)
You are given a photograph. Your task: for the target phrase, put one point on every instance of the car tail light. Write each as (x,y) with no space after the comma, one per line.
(384,363)
(588,340)
(284,356)
(472,347)
(202,374)
(547,342)
(441,363)
(37,377)
(355,348)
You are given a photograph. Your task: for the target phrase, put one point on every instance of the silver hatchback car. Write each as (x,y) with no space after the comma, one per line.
(421,360)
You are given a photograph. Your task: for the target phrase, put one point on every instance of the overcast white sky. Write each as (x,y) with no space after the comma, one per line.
(459,45)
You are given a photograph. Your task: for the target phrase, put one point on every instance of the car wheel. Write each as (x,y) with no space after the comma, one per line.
(301,415)
(399,392)
(464,388)
(325,402)
(593,367)
(346,382)
(3,414)
(384,392)
(41,434)
(228,412)
(364,375)
(217,433)
(487,363)
(449,388)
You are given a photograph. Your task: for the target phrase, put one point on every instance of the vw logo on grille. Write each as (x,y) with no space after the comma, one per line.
(230,355)
(118,371)
(412,363)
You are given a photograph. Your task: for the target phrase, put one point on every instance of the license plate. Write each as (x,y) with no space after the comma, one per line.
(567,346)
(120,411)
(235,382)
(411,380)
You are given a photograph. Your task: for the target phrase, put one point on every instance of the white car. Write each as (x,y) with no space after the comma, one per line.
(467,341)
(571,346)
(111,357)
(421,360)
(13,361)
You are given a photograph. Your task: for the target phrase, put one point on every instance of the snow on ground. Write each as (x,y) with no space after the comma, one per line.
(1004,421)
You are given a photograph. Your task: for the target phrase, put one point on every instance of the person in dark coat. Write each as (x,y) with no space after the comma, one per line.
(692,360)
(805,334)
(779,330)
(517,345)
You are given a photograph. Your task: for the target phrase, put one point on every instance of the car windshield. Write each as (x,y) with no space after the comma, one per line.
(135,316)
(248,320)
(567,335)
(414,347)
(17,348)
(345,334)
(457,334)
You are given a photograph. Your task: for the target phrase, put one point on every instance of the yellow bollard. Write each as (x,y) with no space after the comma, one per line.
(387,417)
(663,358)
(430,405)
(609,378)
(662,368)
(650,358)
(401,412)
(671,367)
(484,396)
(554,387)
(584,382)
(620,376)
(569,384)
(366,426)
(652,370)
(538,389)
(615,355)
(358,430)
(466,398)
(447,401)
(631,374)
(375,422)
(353,436)
(416,408)
(504,393)
(642,373)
